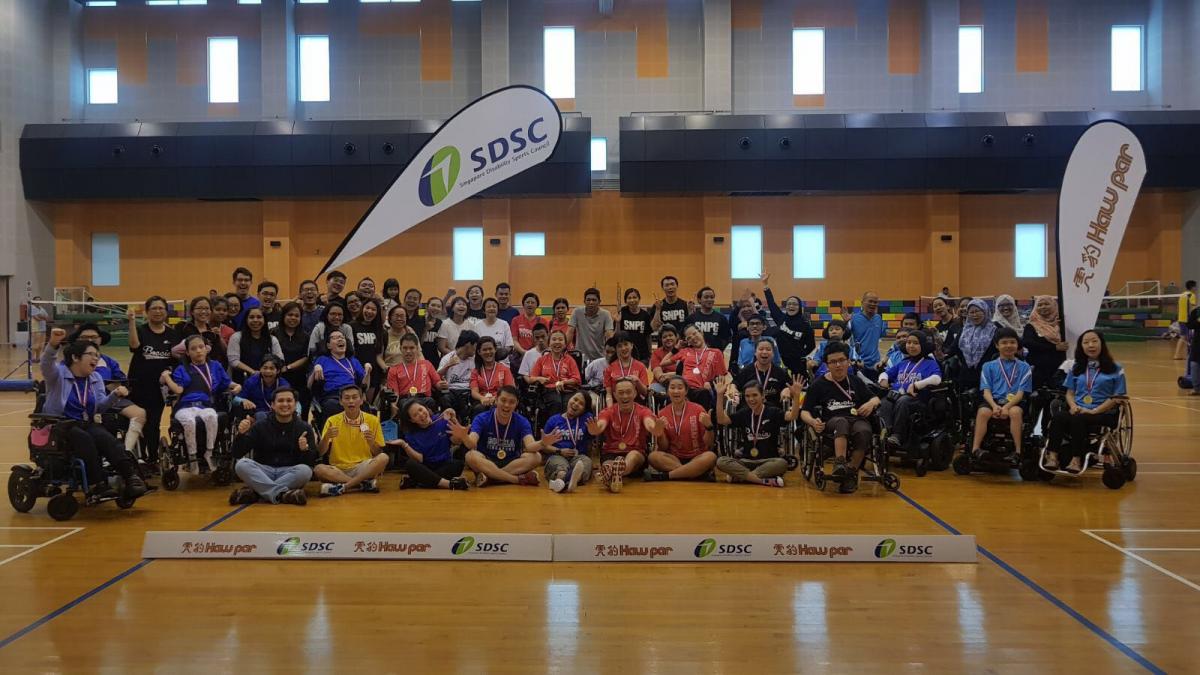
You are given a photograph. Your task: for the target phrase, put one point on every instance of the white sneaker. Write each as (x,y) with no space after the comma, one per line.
(557,484)
(776,481)
(331,489)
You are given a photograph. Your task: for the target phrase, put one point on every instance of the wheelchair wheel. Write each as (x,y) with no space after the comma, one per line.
(921,466)
(818,479)
(21,489)
(1124,430)
(962,464)
(1130,469)
(792,462)
(1029,471)
(63,506)
(941,452)
(124,502)
(222,476)
(1113,478)
(891,482)
(170,479)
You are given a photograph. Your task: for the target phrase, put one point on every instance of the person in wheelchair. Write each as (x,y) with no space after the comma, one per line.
(274,456)
(333,371)
(258,390)
(835,331)
(198,383)
(747,348)
(489,374)
(757,461)
(701,365)
(1004,383)
(541,339)
(75,391)
(685,438)
(414,377)
(1095,387)
(624,365)
(456,368)
(662,359)
(111,371)
(845,406)
(906,381)
(558,374)
(771,378)
(567,462)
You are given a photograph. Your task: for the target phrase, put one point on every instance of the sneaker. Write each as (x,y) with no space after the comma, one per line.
(1075,466)
(839,469)
(369,486)
(331,489)
(618,478)
(242,495)
(408,483)
(297,497)
(212,466)
(530,479)
(193,467)
(458,483)
(606,474)
(134,486)
(557,484)
(777,481)
(893,441)
(653,474)
(574,478)
(850,484)
(102,491)
(1051,461)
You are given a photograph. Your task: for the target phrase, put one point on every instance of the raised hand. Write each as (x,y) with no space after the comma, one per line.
(765,278)
(245,425)
(302,443)
(551,438)
(457,431)
(593,426)
(57,335)
(318,373)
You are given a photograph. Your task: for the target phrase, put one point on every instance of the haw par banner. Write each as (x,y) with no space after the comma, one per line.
(492,139)
(1101,184)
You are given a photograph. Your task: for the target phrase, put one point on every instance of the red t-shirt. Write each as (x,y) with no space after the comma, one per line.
(403,377)
(489,380)
(522,329)
(563,369)
(627,428)
(709,362)
(685,434)
(565,328)
(616,371)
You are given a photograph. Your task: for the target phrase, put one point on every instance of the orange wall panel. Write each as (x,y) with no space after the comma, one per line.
(904,37)
(1033,36)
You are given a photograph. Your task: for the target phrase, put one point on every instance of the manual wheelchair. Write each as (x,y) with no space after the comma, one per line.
(174,453)
(817,450)
(1109,448)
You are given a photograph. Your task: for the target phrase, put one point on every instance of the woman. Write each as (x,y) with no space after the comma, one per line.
(335,368)
(635,321)
(489,375)
(293,342)
(1045,349)
(453,326)
(561,319)
(624,364)
(397,328)
(110,372)
(494,327)
(701,365)
(975,345)
(233,307)
(391,295)
(757,461)
(773,380)
(668,346)
(1007,315)
(522,327)
(76,391)
(794,334)
(566,443)
(908,378)
(249,346)
(434,316)
(199,383)
(369,341)
(333,320)
(202,323)
(150,344)
(413,376)
(426,446)
(1095,387)
(685,439)
(475,301)
(354,303)
(558,373)
(947,327)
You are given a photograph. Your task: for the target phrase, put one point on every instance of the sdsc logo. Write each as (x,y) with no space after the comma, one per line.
(708,547)
(499,148)
(888,547)
(885,548)
(438,176)
(705,548)
(293,546)
(470,545)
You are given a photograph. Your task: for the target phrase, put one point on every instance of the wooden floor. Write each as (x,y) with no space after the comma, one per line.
(1045,596)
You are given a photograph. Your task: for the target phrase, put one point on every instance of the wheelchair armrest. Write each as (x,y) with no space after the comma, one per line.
(47,419)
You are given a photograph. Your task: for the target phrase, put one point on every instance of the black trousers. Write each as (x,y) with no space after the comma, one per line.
(149,398)
(897,416)
(1077,428)
(430,476)
(90,442)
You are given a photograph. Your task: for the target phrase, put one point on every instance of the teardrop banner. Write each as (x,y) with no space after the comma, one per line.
(1100,186)
(494,138)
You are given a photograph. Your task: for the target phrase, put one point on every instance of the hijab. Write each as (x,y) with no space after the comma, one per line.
(976,337)
(1015,322)
(1046,327)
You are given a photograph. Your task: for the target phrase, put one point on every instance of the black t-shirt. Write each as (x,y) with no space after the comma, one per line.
(274,317)
(475,313)
(416,321)
(715,327)
(368,343)
(212,338)
(762,434)
(294,348)
(638,327)
(831,400)
(774,382)
(152,357)
(429,348)
(674,312)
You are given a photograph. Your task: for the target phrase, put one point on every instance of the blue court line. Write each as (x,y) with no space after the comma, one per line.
(1050,597)
(81,599)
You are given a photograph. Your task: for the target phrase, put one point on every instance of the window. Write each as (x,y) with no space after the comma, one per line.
(101,3)
(249,2)
(529,243)
(599,154)
(1029,250)
(1126,58)
(970,59)
(313,2)
(559,58)
(745,251)
(223,70)
(314,67)
(106,259)
(102,86)
(808,252)
(468,253)
(808,61)
(176,2)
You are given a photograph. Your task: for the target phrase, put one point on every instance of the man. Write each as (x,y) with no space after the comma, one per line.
(366,288)
(353,441)
(335,283)
(456,368)
(310,309)
(625,427)
(713,324)
(504,298)
(845,406)
(866,330)
(268,293)
(590,326)
(541,335)
(500,445)
(1186,302)
(672,309)
(242,278)
(685,438)
(274,455)
(756,330)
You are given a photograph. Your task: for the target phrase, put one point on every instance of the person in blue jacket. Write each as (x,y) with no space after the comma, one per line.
(112,374)
(258,389)
(910,378)
(198,383)
(1095,387)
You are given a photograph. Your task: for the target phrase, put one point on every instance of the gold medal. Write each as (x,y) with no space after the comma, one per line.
(500,454)
(1087,399)
(364,427)
(621,446)
(854,411)
(695,371)
(412,391)
(754,452)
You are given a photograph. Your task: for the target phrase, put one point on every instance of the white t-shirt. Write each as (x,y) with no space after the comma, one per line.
(450,330)
(527,361)
(499,331)
(457,376)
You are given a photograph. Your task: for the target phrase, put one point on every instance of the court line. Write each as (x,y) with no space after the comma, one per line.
(1169,473)
(1124,529)
(1047,595)
(83,598)
(1154,566)
(1162,549)
(1135,398)
(64,535)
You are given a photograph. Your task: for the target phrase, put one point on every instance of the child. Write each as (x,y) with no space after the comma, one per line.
(197,383)
(259,388)
(917,371)
(1003,383)
(835,331)
(336,371)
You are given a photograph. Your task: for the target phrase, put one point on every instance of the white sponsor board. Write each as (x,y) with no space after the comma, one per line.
(348,545)
(708,548)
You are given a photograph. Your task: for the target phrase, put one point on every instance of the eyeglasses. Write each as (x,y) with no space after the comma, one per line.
(836,362)
(94,355)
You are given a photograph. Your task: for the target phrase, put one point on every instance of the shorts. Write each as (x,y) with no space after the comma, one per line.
(361,466)
(509,458)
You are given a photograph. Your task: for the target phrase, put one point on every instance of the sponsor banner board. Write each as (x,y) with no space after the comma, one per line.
(348,545)
(764,548)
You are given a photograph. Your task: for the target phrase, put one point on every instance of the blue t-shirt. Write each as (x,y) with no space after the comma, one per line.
(508,314)
(79,391)
(433,442)
(866,334)
(339,372)
(509,439)
(909,372)
(248,304)
(1103,385)
(747,347)
(574,432)
(1005,378)
(109,369)
(818,354)
(895,355)
(196,388)
(257,392)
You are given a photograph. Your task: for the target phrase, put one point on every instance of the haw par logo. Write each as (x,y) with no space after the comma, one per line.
(437,179)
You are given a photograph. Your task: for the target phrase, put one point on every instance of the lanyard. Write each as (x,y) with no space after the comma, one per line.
(1008,380)
(496,423)
(677,422)
(755,427)
(82,396)
(904,373)
(487,380)
(845,392)
(206,376)
(412,377)
(557,366)
(628,423)
(573,431)
(1089,378)
(621,366)
(762,381)
(348,368)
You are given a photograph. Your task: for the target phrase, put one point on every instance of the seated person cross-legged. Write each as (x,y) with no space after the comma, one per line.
(917,371)
(757,461)
(500,445)
(353,441)
(1095,387)
(425,441)
(274,455)
(625,426)
(845,406)
(685,438)
(567,461)
(1003,383)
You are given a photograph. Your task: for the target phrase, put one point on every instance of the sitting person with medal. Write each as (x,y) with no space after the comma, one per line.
(841,406)
(558,374)
(771,378)
(198,383)
(625,427)
(1004,383)
(668,347)
(700,363)
(414,377)
(332,371)
(489,375)
(567,462)
(685,438)
(624,365)
(757,461)
(500,445)
(257,390)
(353,441)
(1095,387)
(907,380)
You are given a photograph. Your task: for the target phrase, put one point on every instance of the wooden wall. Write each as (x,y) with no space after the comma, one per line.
(888,243)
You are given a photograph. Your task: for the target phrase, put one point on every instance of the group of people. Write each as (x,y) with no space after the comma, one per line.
(340,386)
